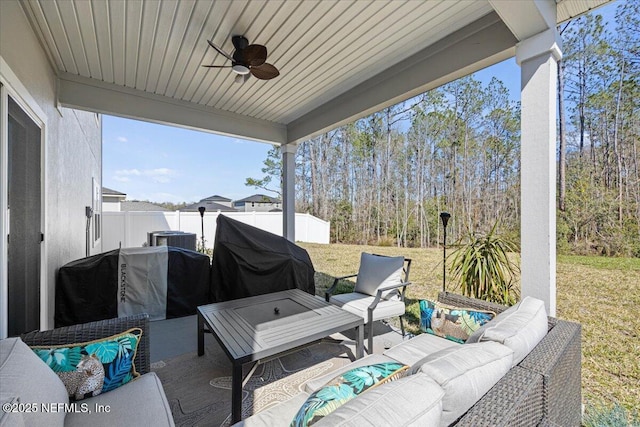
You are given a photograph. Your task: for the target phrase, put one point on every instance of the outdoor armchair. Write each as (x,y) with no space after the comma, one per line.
(378,293)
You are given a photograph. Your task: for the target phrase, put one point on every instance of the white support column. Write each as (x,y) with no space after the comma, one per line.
(289,191)
(537,57)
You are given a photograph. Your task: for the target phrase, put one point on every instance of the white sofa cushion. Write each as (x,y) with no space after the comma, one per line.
(279,415)
(12,418)
(378,271)
(465,373)
(137,403)
(415,400)
(475,337)
(413,351)
(520,328)
(25,376)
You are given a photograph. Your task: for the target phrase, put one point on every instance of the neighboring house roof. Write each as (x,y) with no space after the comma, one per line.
(109,192)
(216,198)
(209,205)
(133,205)
(258,198)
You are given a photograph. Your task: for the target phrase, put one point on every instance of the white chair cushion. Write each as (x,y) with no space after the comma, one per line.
(26,377)
(521,329)
(413,351)
(465,373)
(392,404)
(358,304)
(378,271)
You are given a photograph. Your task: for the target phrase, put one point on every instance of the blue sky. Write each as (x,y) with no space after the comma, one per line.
(161,163)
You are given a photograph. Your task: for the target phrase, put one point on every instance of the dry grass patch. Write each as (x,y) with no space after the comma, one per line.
(603,294)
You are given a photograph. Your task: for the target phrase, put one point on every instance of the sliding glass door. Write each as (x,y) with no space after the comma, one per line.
(23,217)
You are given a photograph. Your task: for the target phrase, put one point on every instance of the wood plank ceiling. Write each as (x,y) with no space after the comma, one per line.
(323,48)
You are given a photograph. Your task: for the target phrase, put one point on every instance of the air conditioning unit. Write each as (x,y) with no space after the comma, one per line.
(177,239)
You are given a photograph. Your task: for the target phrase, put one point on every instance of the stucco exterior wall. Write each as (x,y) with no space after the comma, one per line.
(72,149)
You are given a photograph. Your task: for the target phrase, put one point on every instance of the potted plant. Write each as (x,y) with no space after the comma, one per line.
(483,268)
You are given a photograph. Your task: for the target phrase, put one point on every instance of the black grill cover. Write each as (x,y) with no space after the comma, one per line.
(87,289)
(248,261)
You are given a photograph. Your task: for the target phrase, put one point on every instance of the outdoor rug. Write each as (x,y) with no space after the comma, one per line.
(199,388)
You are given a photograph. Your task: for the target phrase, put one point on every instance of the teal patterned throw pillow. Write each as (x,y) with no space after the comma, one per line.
(452,323)
(342,389)
(90,368)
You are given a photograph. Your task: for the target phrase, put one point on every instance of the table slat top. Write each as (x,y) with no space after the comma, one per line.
(249,329)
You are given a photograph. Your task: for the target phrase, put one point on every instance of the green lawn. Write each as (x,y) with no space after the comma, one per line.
(603,294)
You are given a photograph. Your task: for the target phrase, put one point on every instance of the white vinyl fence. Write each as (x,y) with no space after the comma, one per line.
(129,229)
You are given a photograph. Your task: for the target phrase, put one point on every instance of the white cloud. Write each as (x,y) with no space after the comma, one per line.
(122,139)
(158,175)
(128,172)
(158,172)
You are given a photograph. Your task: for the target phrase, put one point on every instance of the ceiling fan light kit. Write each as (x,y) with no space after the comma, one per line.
(246,59)
(240,69)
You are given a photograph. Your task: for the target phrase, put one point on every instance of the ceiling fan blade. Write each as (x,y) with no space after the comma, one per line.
(220,51)
(265,71)
(255,54)
(217,66)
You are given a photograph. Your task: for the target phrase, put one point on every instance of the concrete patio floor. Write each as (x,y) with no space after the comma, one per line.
(173,337)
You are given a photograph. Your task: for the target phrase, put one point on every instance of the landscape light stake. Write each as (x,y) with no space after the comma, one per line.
(88,213)
(444,216)
(201,209)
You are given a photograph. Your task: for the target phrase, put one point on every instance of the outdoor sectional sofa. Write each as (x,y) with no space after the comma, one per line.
(486,383)
(25,380)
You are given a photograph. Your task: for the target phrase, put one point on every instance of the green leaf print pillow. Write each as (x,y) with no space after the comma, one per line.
(453,323)
(345,387)
(90,368)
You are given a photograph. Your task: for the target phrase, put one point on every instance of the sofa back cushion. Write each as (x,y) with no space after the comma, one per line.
(415,400)
(520,328)
(377,272)
(466,373)
(24,376)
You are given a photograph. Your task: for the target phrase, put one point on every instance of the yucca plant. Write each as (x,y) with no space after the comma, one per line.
(483,269)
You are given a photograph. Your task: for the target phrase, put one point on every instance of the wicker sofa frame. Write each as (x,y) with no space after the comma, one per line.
(544,389)
(97,330)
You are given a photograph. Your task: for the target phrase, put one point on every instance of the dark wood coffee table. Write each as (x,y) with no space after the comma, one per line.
(260,327)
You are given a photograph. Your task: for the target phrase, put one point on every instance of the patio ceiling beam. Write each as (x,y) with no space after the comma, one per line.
(526,18)
(100,97)
(478,45)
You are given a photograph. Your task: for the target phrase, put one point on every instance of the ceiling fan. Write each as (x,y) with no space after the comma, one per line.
(246,59)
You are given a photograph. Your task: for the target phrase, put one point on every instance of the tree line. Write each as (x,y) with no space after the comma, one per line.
(385,178)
